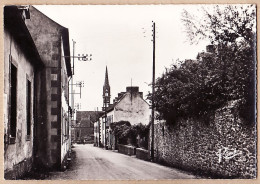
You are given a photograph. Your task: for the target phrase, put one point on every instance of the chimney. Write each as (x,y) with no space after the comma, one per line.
(115,100)
(132,89)
(141,94)
(210,48)
(25,11)
(119,94)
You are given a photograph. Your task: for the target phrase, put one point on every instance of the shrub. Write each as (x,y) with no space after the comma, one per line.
(126,134)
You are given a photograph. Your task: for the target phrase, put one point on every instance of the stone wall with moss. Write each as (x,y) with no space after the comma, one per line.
(220,147)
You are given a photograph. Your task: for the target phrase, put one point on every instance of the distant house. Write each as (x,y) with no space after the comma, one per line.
(97,139)
(211,50)
(73,124)
(22,65)
(52,135)
(128,106)
(84,128)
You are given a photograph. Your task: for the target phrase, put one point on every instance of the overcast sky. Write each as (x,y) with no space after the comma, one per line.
(119,37)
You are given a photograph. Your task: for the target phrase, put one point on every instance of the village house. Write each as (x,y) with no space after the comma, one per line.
(127,106)
(97,139)
(72,130)
(22,65)
(52,130)
(84,128)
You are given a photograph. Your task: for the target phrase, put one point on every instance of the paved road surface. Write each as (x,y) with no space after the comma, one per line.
(96,163)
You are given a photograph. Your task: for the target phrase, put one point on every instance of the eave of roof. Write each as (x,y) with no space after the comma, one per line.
(111,108)
(115,104)
(66,46)
(92,114)
(14,23)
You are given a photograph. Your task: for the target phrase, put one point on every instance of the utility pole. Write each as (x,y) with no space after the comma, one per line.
(152,123)
(80,84)
(70,83)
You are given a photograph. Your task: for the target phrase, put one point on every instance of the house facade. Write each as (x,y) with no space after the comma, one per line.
(52,131)
(128,106)
(99,124)
(97,133)
(84,128)
(72,131)
(22,65)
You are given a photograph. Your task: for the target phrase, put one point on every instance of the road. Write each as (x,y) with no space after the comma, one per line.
(92,163)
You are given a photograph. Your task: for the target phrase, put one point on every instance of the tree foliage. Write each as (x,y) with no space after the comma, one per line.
(221,24)
(125,133)
(227,72)
(121,131)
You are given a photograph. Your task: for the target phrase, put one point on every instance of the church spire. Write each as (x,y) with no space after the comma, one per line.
(106,78)
(106,92)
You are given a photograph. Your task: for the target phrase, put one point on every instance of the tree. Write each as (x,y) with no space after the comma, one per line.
(125,133)
(222,24)
(226,73)
(232,29)
(121,131)
(141,131)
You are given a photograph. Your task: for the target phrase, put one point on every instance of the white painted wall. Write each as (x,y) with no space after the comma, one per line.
(65,141)
(23,147)
(135,110)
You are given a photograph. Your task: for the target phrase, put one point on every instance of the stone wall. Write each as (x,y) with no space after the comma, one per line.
(142,154)
(126,149)
(19,170)
(223,147)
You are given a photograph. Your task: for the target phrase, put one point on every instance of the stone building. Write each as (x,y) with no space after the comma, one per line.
(52,130)
(84,128)
(72,130)
(128,106)
(22,65)
(97,134)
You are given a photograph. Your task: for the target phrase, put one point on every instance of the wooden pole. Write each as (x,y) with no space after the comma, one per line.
(152,123)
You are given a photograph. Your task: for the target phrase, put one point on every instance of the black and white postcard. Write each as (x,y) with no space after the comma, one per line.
(130,92)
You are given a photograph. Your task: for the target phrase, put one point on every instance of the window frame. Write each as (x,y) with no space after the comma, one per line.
(13,98)
(28,108)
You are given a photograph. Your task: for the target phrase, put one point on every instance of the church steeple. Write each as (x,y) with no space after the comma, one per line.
(106,78)
(106,92)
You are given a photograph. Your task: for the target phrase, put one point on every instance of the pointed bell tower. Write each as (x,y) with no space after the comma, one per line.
(106,92)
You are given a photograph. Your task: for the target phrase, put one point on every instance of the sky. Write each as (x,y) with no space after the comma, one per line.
(119,37)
